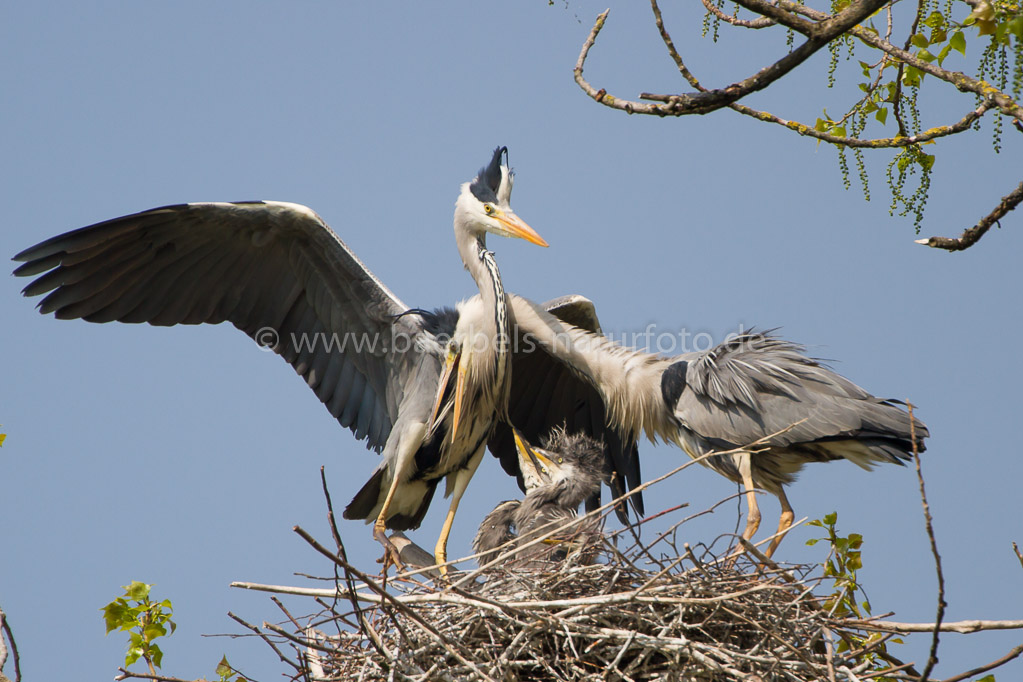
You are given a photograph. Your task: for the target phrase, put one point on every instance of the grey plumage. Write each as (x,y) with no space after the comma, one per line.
(277,272)
(755,388)
(558,477)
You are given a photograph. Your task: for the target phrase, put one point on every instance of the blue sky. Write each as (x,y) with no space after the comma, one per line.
(182,457)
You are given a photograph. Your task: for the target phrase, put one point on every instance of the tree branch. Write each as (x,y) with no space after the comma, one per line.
(5,629)
(801,128)
(818,33)
(970,237)
(762,22)
(990,666)
(932,658)
(964,83)
(963,627)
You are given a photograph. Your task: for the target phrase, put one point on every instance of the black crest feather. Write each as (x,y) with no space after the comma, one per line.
(484,187)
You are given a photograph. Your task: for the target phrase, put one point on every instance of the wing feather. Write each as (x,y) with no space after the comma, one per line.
(756,385)
(256,264)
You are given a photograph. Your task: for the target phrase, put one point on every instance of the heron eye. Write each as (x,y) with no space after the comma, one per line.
(488,209)
(560,461)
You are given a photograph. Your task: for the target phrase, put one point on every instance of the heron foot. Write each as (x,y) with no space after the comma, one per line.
(392,556)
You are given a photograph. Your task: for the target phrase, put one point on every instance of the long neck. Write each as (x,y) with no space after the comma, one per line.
(483,267)
(628,380)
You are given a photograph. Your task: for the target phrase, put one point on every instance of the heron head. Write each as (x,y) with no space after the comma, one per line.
(566,458)
(484,203)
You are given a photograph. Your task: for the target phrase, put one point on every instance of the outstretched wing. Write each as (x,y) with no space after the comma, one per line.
(275,270)
(757,386)
(546,393)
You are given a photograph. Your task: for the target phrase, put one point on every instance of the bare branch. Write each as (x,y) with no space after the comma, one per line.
(932,658)
(970,237)
(129,675)
(761,22)
(818,33)
(964,627)
(990,666)
(5,629)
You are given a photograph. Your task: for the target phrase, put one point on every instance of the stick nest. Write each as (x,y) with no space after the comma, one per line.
(599,614)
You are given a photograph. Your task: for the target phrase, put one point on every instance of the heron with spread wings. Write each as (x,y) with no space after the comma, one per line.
(425,388)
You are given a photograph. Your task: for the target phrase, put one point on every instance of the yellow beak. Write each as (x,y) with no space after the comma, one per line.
(463,367)
(449,364)
(516,227)
(535,459)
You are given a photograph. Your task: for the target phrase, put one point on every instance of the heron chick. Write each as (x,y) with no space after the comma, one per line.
(558,477)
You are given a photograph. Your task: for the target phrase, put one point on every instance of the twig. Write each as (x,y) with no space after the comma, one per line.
(452,648)
(5,629)
(972,235)
(128,675)
(336,534)
(964,627)
(818,34)
(265,638)
(932,658)
(990,666)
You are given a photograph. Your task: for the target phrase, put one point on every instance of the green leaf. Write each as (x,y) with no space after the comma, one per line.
(958,42)
(881,115)
(224,669)
(1015,27)
(137,591)
(911,76)
(926,56)
(830,519)
(935,20)
(156,655)
(811,542)
(133,655)
(926,161)
(919,40)
(944,53)
(115,614)
(153,631)
(821,125)
(3,437)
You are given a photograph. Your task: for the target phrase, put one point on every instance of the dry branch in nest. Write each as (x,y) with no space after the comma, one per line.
(652,611)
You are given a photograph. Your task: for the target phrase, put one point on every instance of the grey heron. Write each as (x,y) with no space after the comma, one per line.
(424,388)
(755,393)
(558,477)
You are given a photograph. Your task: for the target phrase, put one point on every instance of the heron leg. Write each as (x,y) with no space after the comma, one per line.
(753,509)
(784,523)
(461,482)
(407,446)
